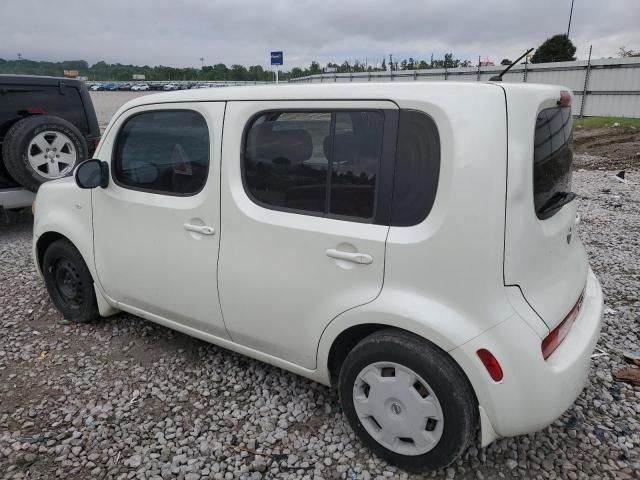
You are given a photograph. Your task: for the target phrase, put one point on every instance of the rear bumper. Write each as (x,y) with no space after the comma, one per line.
(533,392)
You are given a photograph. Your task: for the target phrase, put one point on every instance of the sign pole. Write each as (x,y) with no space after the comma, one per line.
(277,59)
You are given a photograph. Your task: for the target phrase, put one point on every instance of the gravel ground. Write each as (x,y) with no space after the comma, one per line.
(125,398)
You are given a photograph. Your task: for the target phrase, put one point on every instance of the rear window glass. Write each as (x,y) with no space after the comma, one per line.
(552,157)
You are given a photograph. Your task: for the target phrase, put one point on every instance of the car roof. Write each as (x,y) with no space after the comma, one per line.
(38,80)
(327,91)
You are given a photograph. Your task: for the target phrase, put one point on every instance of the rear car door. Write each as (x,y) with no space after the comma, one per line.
(305,191)
(156,225)
(543,255)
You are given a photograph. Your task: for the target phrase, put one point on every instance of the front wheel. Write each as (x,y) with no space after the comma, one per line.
(69,282)
(408,401)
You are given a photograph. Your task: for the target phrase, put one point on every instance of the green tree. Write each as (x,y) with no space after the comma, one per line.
(506,61)
(558,48)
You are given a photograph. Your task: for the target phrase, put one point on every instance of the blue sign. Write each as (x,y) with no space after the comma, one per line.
(277,58)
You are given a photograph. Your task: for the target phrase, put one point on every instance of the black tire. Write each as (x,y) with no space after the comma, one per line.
(444,377)
(69,282)
(15,148)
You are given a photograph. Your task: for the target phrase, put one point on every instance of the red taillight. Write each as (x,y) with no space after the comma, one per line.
(491,364)
(36,111)
(565,99)
(558,334)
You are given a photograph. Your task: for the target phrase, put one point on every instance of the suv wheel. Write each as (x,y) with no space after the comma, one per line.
(42,148)
(69,282)
(408,401)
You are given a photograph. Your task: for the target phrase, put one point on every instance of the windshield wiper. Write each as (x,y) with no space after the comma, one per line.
(555,202)
(498,78)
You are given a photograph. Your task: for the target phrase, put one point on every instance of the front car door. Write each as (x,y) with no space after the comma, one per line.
(305,195)
(156,225)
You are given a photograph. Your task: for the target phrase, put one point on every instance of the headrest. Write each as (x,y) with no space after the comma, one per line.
(344,147)
(293,145)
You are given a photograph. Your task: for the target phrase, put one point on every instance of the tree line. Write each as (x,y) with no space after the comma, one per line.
(116,71)
(558,48)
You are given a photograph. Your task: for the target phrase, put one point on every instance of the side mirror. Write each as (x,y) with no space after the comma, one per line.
(92,174)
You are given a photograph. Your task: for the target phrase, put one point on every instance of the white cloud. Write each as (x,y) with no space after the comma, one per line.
(179,32)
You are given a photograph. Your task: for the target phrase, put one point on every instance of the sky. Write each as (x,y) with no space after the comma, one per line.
(179,32)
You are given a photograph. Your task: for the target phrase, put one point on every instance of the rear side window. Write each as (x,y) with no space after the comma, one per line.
(165,152)
(417,168)
(323,163)
(552,157)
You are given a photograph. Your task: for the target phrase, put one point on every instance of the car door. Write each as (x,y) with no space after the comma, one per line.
(305,201)
(156,225)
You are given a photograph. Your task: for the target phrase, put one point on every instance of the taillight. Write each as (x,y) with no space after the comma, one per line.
(36,111)
(558,334)
(491,364)
(565,99)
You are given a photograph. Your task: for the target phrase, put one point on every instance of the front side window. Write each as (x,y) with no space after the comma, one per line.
(165,152)
(552,159)
(321,162)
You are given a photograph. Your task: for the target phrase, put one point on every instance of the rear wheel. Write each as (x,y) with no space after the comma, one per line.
(408,401)
(42,148)
(69,282)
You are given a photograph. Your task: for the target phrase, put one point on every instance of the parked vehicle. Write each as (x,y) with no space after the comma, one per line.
(47,127)
(140,87)
(372,241)
(124,86)
(170,87)
(95,87)
(109,87)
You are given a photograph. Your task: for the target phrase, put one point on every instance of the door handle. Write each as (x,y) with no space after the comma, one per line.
(203,229)
(361,258)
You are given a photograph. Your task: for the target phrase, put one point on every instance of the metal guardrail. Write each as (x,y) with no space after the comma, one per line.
(606,87)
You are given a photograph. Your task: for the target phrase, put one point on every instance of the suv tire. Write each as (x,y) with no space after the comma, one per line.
(41,148)
(69,282)
(408,400)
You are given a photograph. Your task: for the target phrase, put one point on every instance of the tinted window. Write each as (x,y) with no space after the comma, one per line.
(321,162)
(355,156)
(553,155)
(284,160)
(417,168)
(163,152)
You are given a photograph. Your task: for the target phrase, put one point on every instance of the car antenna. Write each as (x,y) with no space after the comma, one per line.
(498,78)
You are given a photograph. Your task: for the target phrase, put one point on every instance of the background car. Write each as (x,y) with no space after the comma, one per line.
(170,86)
(143,87)
(47,126)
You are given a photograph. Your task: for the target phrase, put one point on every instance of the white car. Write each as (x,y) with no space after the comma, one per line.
(413,244)
(170,87)
(140,88)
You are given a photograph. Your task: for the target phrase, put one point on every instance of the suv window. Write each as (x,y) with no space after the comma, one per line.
(164,152)
(319,162)
(552,156)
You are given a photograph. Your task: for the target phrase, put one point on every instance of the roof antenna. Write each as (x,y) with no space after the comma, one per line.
(498,78)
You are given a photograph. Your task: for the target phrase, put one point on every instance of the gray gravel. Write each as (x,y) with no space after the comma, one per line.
(124,398)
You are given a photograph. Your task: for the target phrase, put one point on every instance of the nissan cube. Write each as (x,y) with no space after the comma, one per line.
(414,245)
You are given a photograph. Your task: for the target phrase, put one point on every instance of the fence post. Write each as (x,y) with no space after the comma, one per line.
(478,79)
(526,63)
(587,74)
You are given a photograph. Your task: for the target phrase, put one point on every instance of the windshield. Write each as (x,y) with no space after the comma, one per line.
(552,157)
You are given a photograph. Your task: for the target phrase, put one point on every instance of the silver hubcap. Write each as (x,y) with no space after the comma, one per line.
(398,408)
(52,154)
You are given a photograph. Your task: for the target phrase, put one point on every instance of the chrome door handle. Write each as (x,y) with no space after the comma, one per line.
(203,229)
(361,258)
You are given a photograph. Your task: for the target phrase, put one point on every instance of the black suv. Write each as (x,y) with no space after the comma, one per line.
(47,126)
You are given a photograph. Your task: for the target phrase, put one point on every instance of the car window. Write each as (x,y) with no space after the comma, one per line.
(320,162)
(284,160)
(552,156)
(417,168)
(164,152)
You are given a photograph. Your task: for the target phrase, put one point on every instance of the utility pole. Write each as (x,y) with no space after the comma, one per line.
(201,63)
(570,15)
